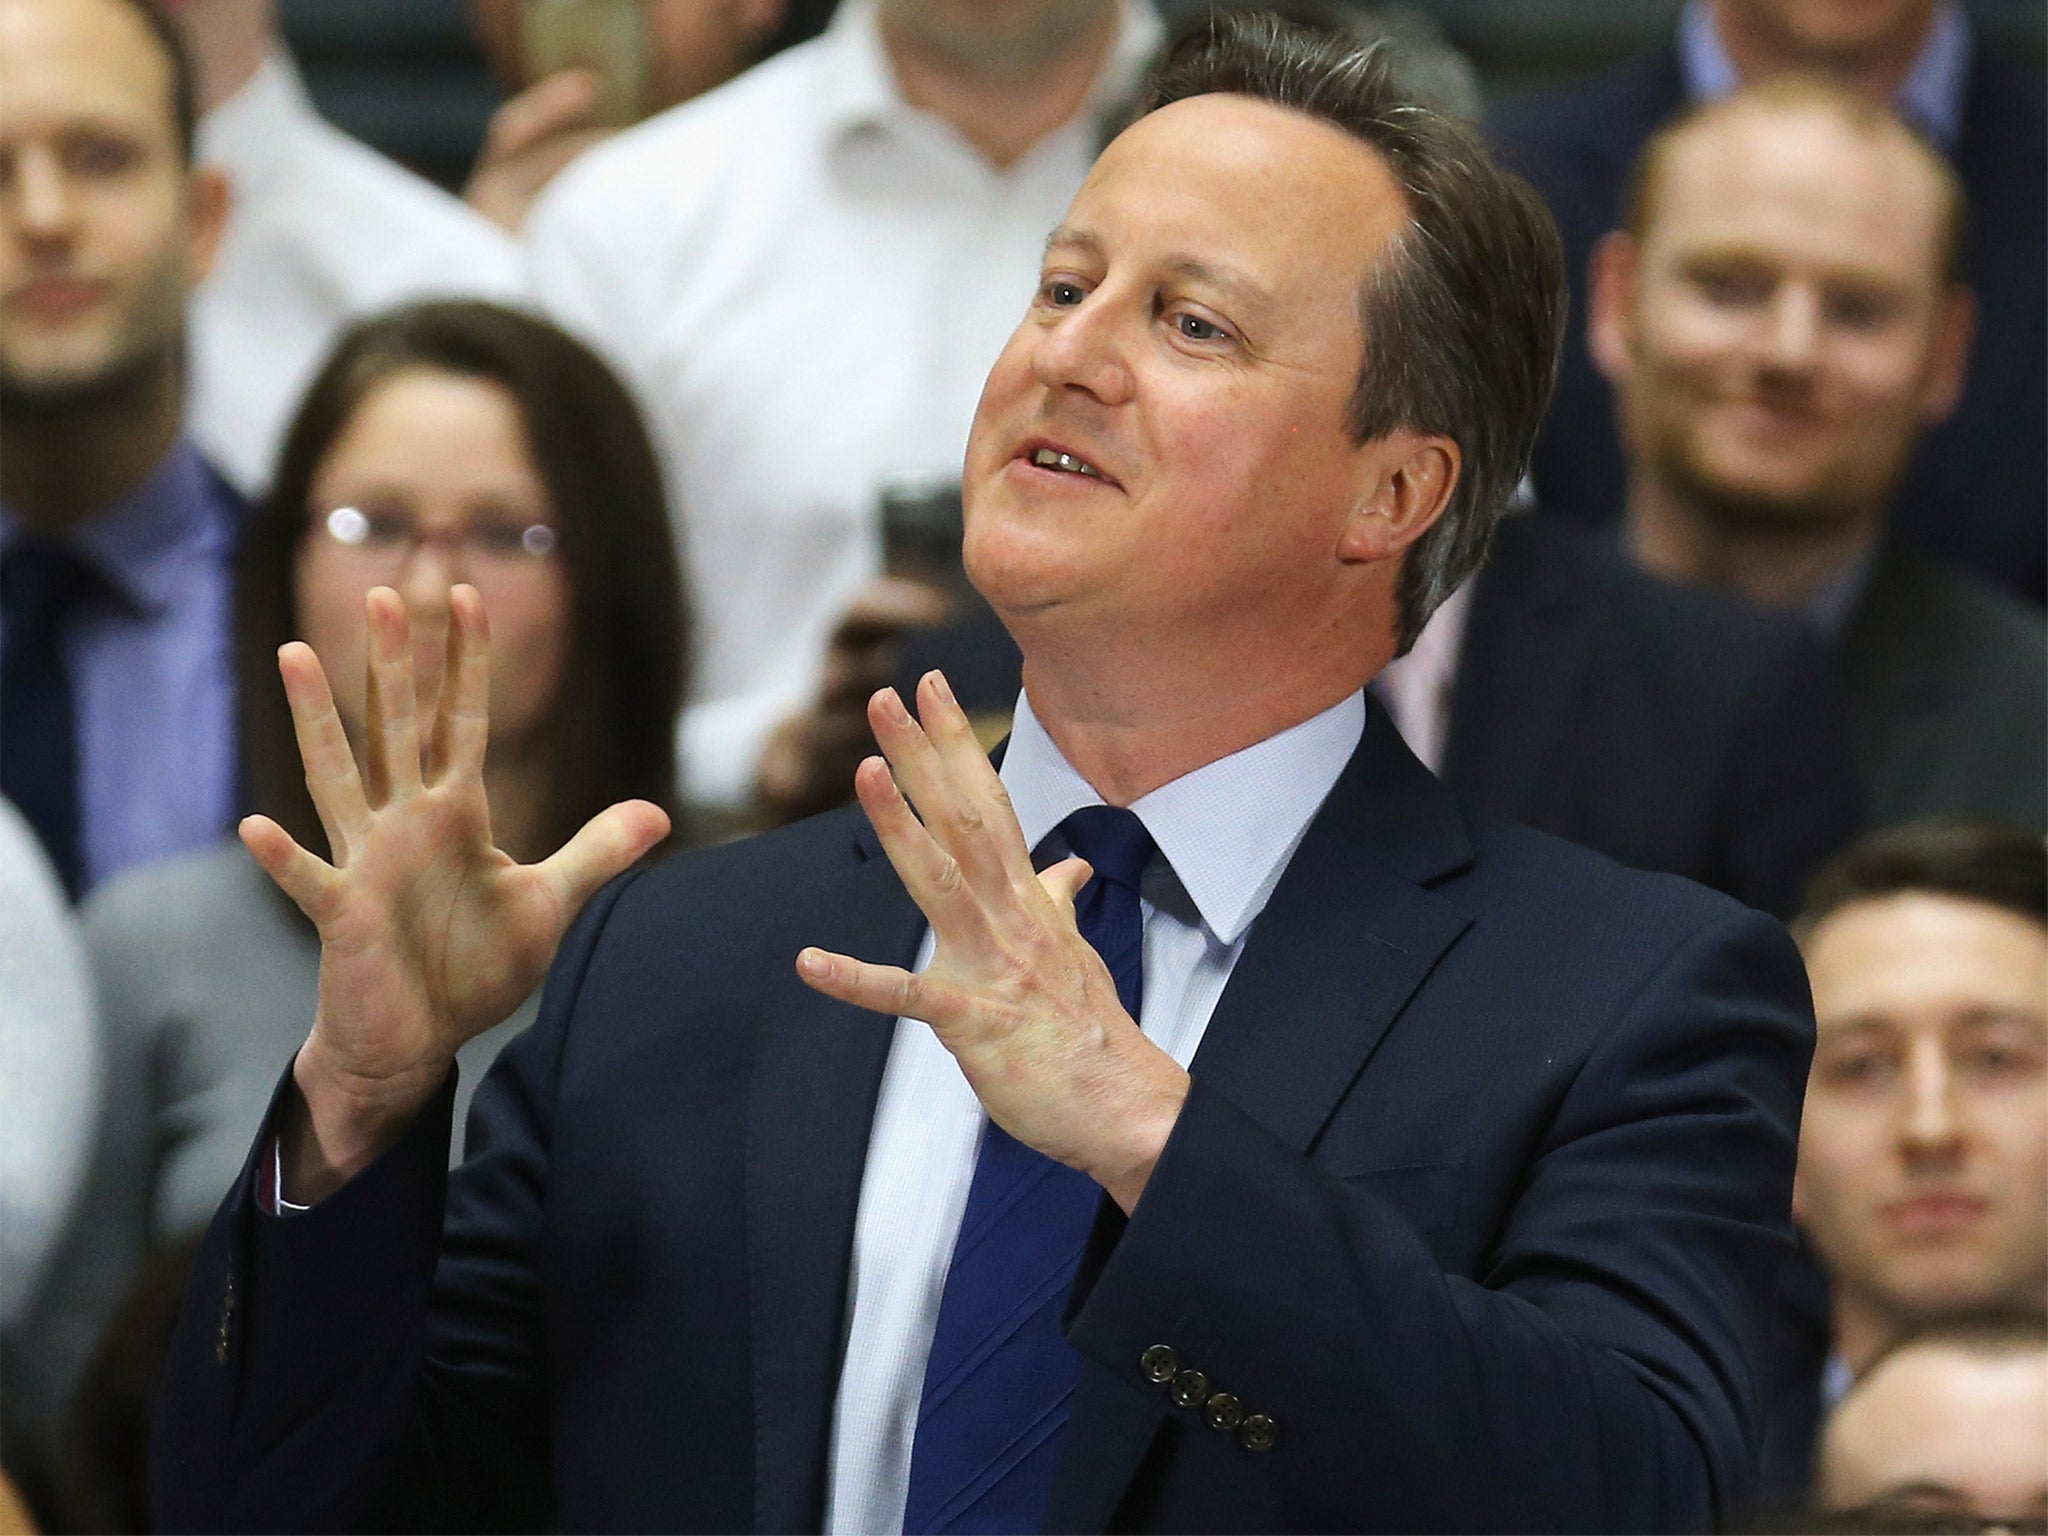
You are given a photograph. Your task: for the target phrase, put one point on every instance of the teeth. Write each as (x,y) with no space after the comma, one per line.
(1052,458)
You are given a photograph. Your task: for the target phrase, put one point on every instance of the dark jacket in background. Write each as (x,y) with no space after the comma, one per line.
(1977,491)
(1670,727)
(1947,684)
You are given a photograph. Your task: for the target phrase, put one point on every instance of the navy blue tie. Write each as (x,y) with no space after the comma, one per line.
(1000,1372)
(41,584)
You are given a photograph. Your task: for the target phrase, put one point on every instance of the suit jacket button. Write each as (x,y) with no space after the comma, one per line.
(1258,1433)
(1225,1412)
(1159,1364)
(1190,1388)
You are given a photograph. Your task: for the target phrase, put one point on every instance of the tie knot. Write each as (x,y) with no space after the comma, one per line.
(1113,841)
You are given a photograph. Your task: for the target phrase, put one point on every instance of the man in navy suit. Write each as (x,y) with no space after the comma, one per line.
(1975,490)
(1307,1153)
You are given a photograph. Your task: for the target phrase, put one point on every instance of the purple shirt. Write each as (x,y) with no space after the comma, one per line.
(1930,97)
(151,659)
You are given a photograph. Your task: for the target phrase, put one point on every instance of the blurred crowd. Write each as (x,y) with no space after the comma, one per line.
(681,386)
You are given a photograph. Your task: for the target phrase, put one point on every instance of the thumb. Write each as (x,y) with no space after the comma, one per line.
(606,846)
(1064,880)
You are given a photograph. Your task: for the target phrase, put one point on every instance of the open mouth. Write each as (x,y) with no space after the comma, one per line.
(1061,461)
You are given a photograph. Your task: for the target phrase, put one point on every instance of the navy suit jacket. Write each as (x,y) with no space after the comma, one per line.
(1977,490)
(1481,1193)
(1671,727)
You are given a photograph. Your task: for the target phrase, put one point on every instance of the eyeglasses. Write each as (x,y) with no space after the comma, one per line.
(387,541)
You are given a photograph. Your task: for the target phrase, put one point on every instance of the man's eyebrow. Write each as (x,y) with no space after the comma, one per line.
(1233,283)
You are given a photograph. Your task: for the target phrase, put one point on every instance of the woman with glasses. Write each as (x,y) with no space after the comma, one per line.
(442,443)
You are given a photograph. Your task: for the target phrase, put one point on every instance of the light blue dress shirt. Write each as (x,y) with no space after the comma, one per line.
(1930,97)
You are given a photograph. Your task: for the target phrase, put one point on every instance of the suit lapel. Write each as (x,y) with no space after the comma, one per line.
(817,1071)
(1350,932)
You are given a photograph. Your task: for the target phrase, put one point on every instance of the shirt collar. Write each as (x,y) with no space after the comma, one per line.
(248,133)
(1930,97)
(1830,605)
(859,83)
(143,544)
(1227,829)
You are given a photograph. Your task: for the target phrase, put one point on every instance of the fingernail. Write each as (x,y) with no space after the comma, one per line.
(812,963)
(939,688)
(896,710)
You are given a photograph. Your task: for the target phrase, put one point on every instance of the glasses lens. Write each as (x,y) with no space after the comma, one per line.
(538,540)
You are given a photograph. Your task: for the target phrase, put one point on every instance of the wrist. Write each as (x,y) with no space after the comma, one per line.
(1123,1166)
(338,1122)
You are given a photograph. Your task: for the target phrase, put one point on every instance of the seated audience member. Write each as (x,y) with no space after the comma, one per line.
(448,442)
(1949,1423)
(1974,492)
(1781,316)
(749,260)
(322,230)
(116,689)
(1923,1156)
(611,64)
(1671,728)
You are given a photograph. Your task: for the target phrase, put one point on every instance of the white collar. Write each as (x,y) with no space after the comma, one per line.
(1227,829)
(249,132)
(859,87)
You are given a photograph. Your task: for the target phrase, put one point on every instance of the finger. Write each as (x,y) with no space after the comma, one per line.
(951,733)
(608,844)
(558,103)
(331,776)
(462,723)
(393,725)
(931,875)
(951,813)
(310,882)
(1064,880)
(887,989)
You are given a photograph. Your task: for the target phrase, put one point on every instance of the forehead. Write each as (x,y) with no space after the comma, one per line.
(1802,187)
(67,61)
(1973,1421)
(1920,960)
(1298,204)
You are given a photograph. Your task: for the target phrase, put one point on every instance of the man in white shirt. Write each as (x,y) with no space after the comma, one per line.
(1272,1147)
(804,276)
(322,230)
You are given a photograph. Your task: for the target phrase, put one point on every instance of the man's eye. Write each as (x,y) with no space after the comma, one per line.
(1859,1071)
(1064,295)
(1195,328)
(97,155)
(1860,311)
(1733,290)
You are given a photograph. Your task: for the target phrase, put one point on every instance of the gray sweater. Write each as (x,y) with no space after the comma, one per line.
(206,979)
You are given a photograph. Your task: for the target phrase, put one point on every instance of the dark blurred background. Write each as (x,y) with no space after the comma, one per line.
(405,76)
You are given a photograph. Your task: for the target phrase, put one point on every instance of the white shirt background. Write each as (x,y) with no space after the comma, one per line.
(1225,833)
(805,281)
(321,230)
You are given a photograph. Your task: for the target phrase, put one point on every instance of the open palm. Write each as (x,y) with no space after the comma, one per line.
(429,933)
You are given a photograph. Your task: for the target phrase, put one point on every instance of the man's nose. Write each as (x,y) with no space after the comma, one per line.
(45,201)
(1931,1122)
(1792,328)
(1084,348)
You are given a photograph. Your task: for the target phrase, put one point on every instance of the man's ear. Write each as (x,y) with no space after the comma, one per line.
(1610,300)
(207,200)
(1949,357)
(1411,477)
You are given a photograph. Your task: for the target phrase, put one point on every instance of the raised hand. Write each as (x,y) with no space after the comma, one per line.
(1013,990)
(429,933)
